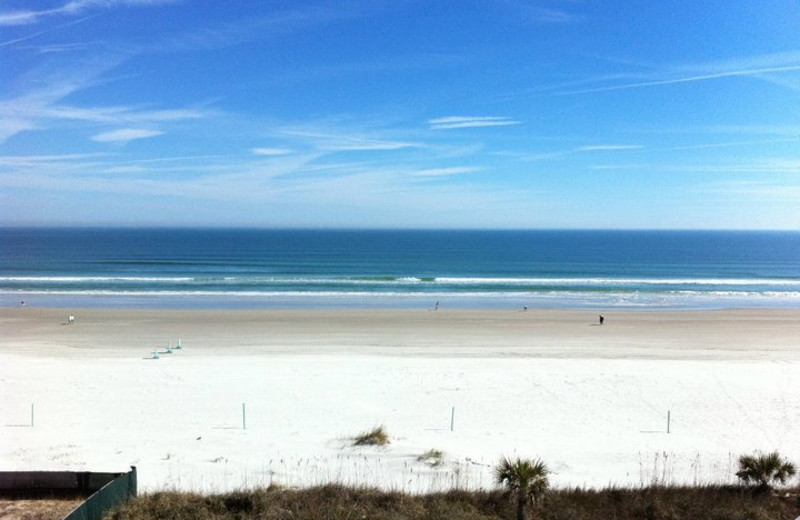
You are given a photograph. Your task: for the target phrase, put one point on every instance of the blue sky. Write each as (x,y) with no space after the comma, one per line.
(401,114)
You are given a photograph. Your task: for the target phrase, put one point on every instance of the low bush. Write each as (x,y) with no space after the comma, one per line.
(339,502)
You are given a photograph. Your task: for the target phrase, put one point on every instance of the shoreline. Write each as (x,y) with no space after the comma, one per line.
(558,300)
(590,400)
(712,334)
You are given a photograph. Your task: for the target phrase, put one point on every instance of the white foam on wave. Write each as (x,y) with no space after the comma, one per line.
(620,281)
(550,294)
(456,281)
(84,279)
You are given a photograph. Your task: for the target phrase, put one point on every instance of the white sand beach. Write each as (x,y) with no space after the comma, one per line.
(591,400)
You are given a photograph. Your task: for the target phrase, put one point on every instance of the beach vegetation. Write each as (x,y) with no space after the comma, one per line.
(763,470)
(32,508)
(432,457)
(378,436)
(526,480)
(334,501)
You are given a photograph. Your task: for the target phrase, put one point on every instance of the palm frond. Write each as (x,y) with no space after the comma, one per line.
(527,476)
(764,469)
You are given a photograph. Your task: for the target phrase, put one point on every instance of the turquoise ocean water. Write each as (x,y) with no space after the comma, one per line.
(237,268)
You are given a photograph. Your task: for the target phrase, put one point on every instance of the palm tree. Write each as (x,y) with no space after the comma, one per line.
(527,479)
(764,469)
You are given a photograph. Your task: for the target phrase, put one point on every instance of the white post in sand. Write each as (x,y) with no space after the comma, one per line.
(668,418)
(452,417)
(31,415)
(244,418)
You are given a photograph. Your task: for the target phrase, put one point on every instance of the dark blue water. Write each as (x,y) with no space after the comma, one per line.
(480,269)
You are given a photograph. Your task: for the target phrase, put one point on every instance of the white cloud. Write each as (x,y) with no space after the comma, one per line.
(608,147)
(733,144)
(274,23)
(39,107)
(347,143)
(13,126)
(533,11)
(70,8)
(773,191)
(116,114)
(271,151)
(439,172)
(792,130)
(38,160)
(123,135)
(17,17)
(451,122)
(762,67)
(617,167)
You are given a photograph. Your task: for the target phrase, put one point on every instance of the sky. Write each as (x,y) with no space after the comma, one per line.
(517,114)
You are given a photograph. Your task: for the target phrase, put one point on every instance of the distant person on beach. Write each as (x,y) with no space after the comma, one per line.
(436,307)
(602,319)
(71,319)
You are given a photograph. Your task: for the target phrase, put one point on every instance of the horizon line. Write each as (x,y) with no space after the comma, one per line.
(166,227)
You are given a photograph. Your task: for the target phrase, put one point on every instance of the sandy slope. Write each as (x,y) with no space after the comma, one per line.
(591,400)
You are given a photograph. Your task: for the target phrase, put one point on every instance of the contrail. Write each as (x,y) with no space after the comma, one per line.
(705,77)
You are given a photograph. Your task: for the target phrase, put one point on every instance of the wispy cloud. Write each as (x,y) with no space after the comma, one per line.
(620,167)
(452,122)
(331,142)
(40,107)
(19,17)
(690,79)
(41,89)
(13,125)
(123,135)
(763,67)
(608,147)
(555,12)
(113,114)
(34,111)
(729,144)
(441,172)
(793,130)
(17,161)
(276,24)
(769,190)
(271,151)
(74,7)
(775,166)
(60,47)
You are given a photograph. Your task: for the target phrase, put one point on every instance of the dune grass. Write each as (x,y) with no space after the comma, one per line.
(432,457)
(37,509)
(339,502)
(377,436)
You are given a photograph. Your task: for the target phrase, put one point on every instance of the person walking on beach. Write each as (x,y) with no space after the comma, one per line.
(602,319)
(436,307)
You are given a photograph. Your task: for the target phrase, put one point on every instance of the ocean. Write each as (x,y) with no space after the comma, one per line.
(245,268)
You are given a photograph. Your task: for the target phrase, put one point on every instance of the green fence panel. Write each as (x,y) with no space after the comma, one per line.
(116,492)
